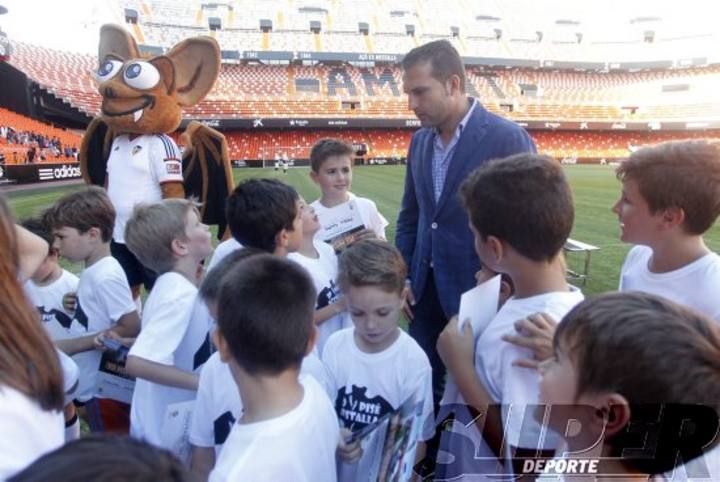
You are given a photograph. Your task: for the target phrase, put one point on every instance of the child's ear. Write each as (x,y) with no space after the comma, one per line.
(673,217)
(497,248)
(178,247)
(222,346)
(281,238)
(506,291)
(314,176)
(312,340)
(95,233)
(614,413)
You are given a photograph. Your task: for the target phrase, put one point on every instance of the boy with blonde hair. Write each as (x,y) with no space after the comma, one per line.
(321,263)
(375,366)
(168,238)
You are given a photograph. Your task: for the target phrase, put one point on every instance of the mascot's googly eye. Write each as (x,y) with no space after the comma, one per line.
(108,70)
(141,75)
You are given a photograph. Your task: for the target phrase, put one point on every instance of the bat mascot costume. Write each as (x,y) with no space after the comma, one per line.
(127,149)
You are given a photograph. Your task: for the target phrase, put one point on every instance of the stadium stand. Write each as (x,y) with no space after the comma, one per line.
(18,134)
(300,89)
(490,29)
(319,91)
(393,143)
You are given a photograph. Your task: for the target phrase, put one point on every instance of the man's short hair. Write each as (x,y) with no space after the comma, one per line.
(258,209)
(325,148)
(210,287)
(151,230)
(523,200)
(372,262)
(652,352)
(679,174)
(105,458)
(85,209)
(444,60)
(265,313)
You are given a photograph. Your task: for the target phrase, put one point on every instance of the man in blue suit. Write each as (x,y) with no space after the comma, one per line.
(457,136)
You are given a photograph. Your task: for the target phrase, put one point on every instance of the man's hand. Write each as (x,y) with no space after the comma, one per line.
(348,452)
(409,302)
(457,350)
(535,333)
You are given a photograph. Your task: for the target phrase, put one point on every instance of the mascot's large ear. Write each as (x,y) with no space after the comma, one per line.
(116,41)
(197,64)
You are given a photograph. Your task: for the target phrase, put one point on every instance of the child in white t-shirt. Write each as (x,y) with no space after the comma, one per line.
(520,233)
(331,168)
(625,364)
(375,366)
(668,219)
(288,429)
(168,238)
(320,261)
(82,225)
(46,289)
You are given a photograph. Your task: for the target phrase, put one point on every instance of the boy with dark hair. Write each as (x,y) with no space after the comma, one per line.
(625,360)
(521,212)
(168,238)
(46,289)
(265,329)
(670,198)
(105,459)
(331,162)
(265,214)
(82,225)
(321,263)
(375,366)
(218,404)
(50,284)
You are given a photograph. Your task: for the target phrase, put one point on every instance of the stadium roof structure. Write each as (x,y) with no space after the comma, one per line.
(588,34)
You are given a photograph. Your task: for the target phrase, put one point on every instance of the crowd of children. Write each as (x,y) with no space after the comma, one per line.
(284,359)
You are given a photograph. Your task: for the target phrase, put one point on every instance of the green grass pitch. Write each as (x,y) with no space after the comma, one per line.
(595,189)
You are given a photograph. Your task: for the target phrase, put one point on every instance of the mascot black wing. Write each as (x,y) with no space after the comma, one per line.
(207,173)
(95,151)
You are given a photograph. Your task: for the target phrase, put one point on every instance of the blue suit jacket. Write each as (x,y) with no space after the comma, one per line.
(438,232)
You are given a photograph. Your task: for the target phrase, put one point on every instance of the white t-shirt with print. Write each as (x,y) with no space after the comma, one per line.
(223,249)
(366,386)
(513,387)
(136,168)
(171,335)
(694,285)
(323,271)
(218,405)
(28,431)
(103,297)
(48,301)
(371,217)
(299,445)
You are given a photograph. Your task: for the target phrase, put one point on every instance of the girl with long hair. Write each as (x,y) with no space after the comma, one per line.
(31,382)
